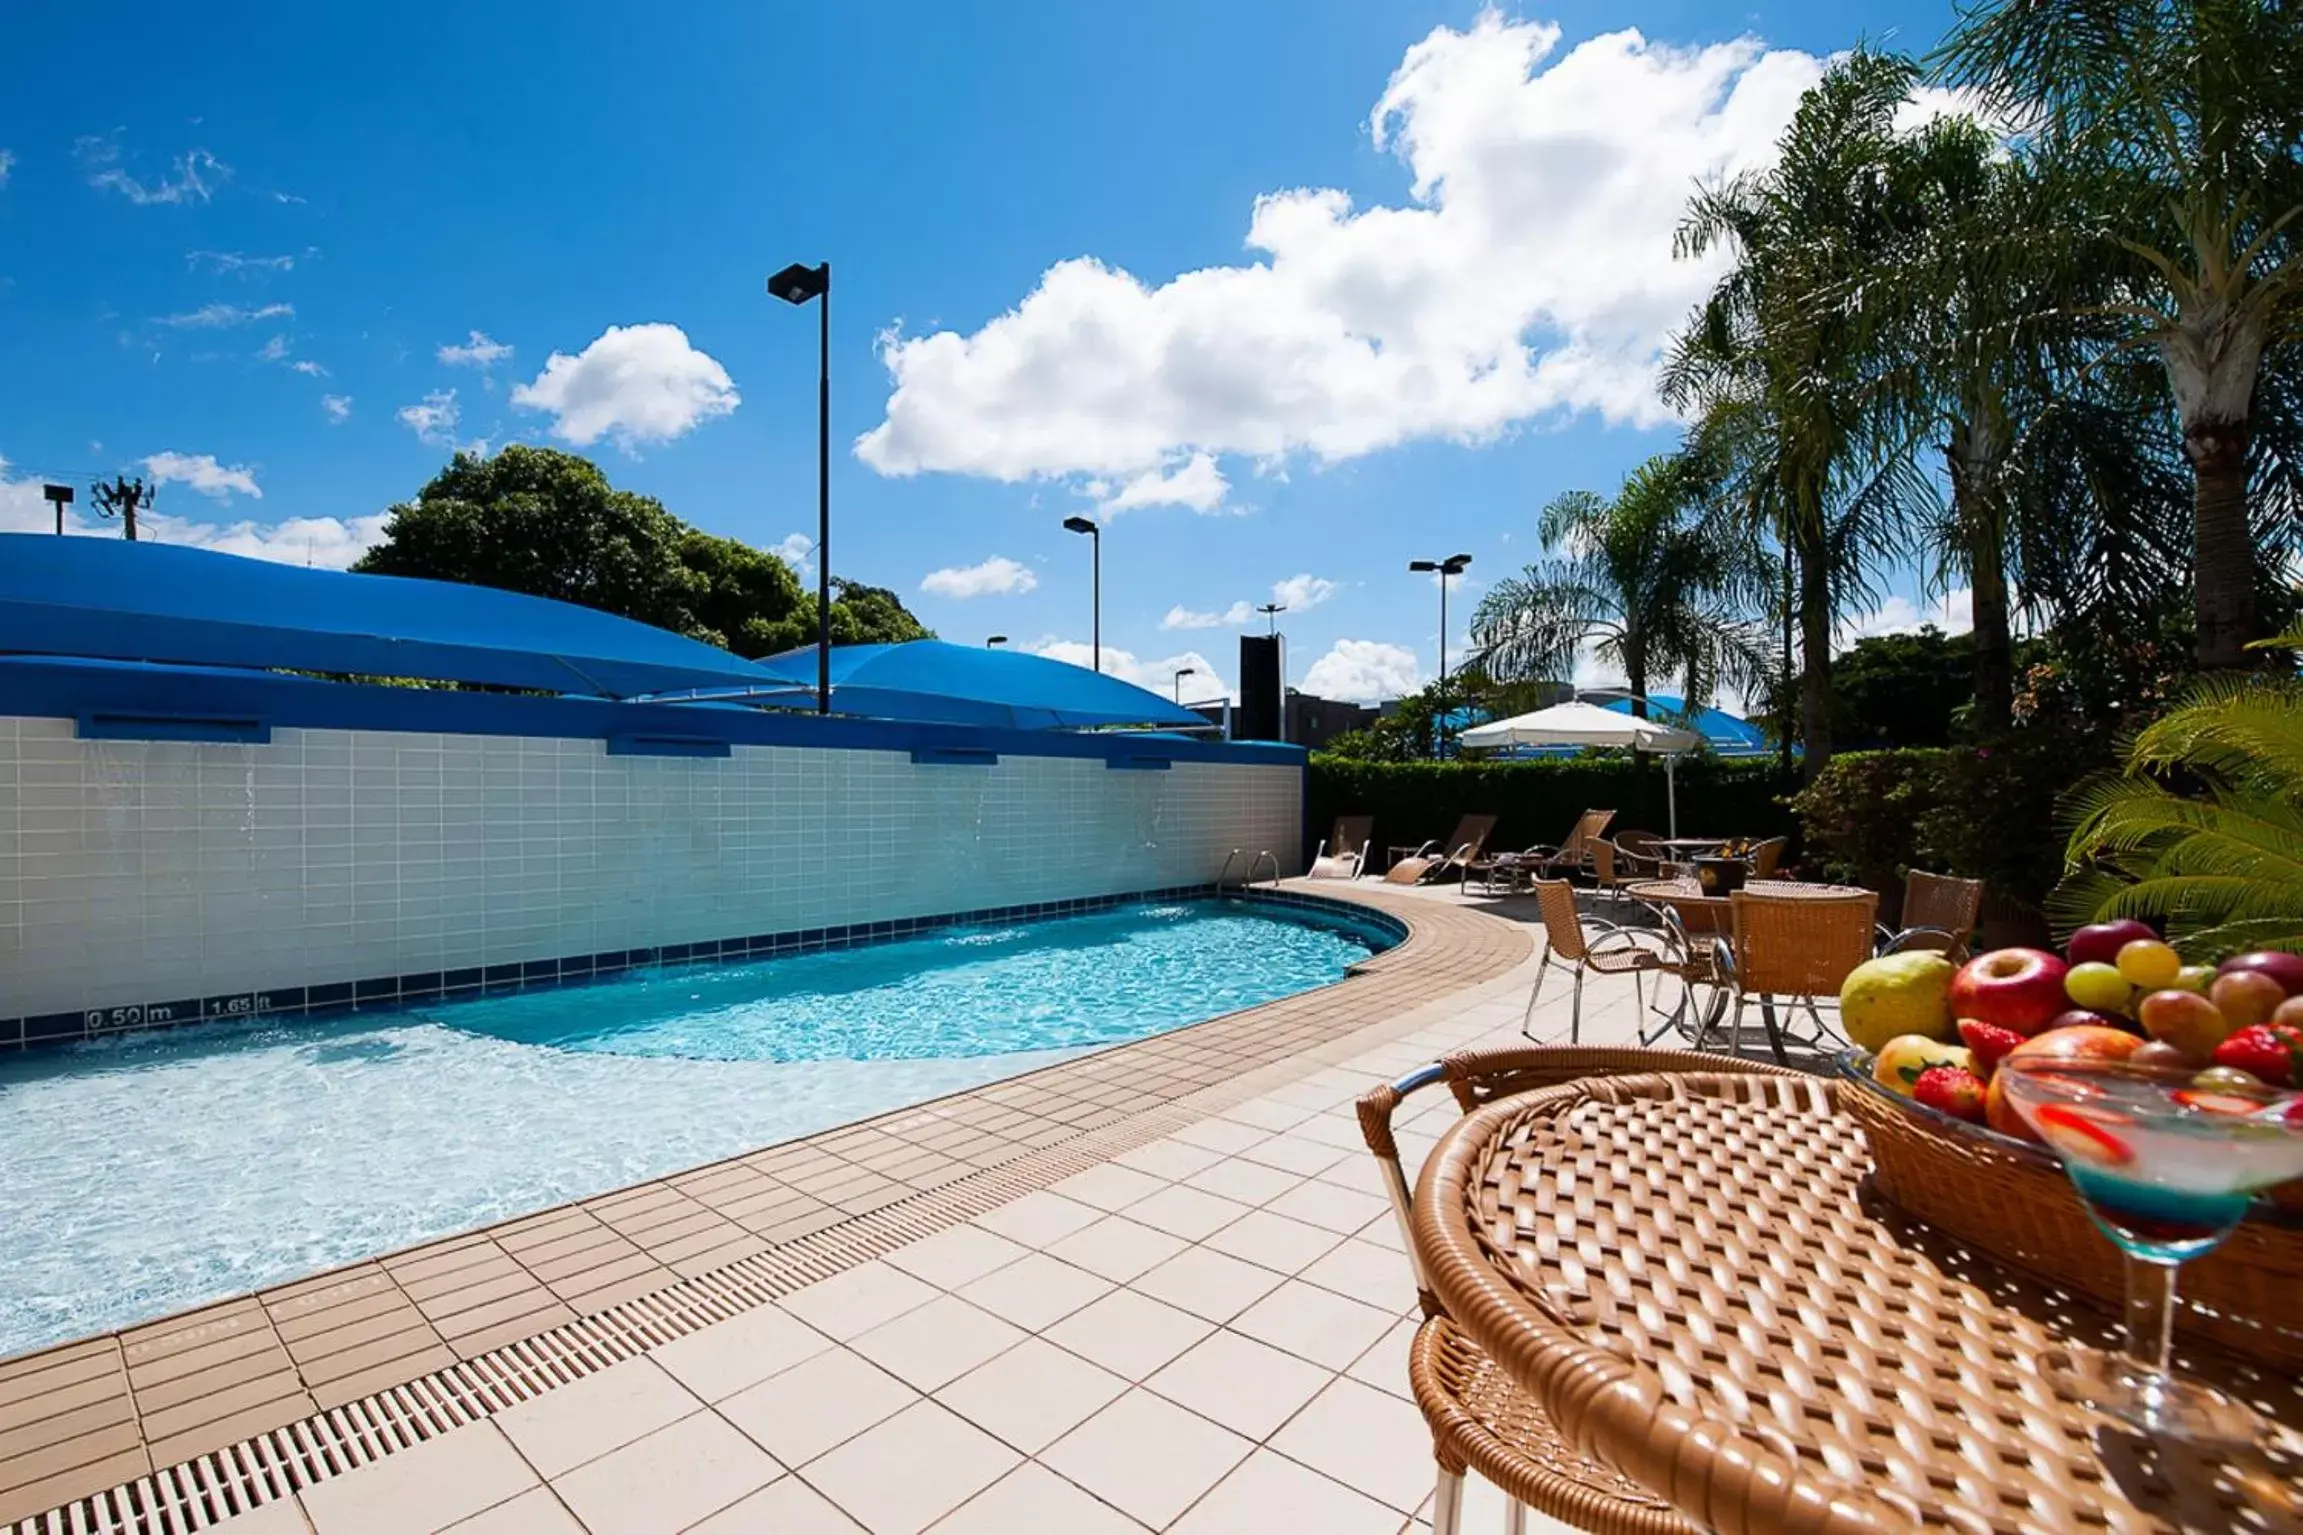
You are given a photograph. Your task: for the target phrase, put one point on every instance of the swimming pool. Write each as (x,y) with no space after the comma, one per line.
(151,1172)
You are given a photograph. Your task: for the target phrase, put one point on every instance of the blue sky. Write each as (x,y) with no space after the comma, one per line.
(297,254)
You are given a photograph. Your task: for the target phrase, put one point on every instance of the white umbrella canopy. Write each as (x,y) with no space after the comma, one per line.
(1579,724)
(1582,724)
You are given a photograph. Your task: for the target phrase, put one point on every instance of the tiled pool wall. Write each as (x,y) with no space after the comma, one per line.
(150,882)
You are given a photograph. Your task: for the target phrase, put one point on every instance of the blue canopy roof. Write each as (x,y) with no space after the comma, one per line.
(965,685)
(1724,733)
(112,599)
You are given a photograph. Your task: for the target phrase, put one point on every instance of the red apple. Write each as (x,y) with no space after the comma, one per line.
(2289,1012)
(2060,1044)
(2286,969)
(2246,996)
(2019,989)
(2100,942)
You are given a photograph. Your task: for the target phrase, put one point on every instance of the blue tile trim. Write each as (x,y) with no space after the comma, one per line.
(107,725)
(954,756)
(378,993)
(666,746)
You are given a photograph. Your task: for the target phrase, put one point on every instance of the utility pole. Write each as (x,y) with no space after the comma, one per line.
(122,499)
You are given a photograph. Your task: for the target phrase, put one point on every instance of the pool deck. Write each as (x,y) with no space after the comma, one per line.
(1153,1288)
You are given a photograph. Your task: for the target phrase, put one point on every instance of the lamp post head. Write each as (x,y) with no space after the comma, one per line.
(1422,565)
(1454,564)
(1080,525)
(798,283)
(1187,671)
(992,641)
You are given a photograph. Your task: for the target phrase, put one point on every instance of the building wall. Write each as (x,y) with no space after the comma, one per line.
(138,872)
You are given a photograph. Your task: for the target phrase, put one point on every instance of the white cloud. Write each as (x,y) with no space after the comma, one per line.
(203,474)
(338,408)
(308,368)
(995,577)
(197,173)
(1305,591)
(434,419)
(635,384)
(478,352)
(1196,483)
(1156,674)
(1364,671)
(221,316)
(239,265)
(1181,617)
(1953,613)
(1529,273)
(274,350)
(7,164)
(794,550)
(324,542)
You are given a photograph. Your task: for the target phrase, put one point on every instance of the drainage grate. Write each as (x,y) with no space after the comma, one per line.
(202,1492)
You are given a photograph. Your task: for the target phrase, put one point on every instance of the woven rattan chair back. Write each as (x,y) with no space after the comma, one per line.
(1351,834)
(1562,922)
(1588,826)
(1643,849)
(1767,856)
(1942,903)
(1800,946)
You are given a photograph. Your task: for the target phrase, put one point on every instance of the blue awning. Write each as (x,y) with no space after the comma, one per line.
(111,599)
(967,685)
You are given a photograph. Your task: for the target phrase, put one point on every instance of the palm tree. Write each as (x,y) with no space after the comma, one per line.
(1783,370)
(2204,827)
(1655,588)
(2169,130)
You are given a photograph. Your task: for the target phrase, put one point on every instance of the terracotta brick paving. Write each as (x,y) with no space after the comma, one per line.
(86,1416)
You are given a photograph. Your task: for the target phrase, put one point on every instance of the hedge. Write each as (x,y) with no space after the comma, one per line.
(1537,801)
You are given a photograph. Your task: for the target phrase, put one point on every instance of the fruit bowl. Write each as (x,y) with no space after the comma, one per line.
(2009,1198)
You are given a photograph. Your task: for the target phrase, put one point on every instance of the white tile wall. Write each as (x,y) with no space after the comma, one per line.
(135,871)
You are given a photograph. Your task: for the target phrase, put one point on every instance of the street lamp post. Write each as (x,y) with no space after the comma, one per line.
(60,497)
(1182,672)
(1096,535)
(1453,565)
(796,284)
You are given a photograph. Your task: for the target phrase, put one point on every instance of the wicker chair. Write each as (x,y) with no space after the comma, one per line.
(1767,857)
(1569,945)
(1642,853)
(1480,1419)
(1611,867)
(1791,942)
(1939,912)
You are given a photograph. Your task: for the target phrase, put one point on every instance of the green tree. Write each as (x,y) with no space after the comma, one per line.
(2167,131)
(1894,690)
(1653,586)
(548,523)
(1781,365)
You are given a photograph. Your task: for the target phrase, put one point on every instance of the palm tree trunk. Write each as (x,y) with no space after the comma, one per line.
(1635,669)
(1784,721)
(1972,459)
(1814,648)
(2223,553)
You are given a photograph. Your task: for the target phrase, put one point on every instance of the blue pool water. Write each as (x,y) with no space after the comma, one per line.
(153,1172)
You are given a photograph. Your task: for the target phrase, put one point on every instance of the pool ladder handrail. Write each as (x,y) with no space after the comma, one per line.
(1252,865)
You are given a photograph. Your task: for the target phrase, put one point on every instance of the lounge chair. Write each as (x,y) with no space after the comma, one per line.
(1343,855)
(1433,859)
(1939,913)
(1543,861)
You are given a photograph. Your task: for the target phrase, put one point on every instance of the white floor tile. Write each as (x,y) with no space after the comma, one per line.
(564,1427)
(1207,1283)
(912,1470)
(1273,1241)
(853,1303)
(785,1507)
(1365,1272)
(423,1488)
(1338,1209)
(1128,1334)
(1294,1154)
(1032,1395)
(1037,1219)
(1169,1159)
(1117,1248)
(1269,1493)
(1032,1500)
(669,1480)
(951,1258)
(1250,1183)
(1108,1186)
(811,1407)
(1385,1365)
(744,1350)
(1147,1457)
(1367,1439)
(1221,1135)
(1314,1324)
(537,1511)
(937,1343)
(1250,1388)
(1036,1291)
(1187,1213)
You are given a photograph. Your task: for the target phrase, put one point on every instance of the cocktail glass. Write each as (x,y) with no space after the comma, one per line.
(2166,1168)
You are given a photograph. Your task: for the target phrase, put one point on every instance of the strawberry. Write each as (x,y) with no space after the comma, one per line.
(1952,1090)
(2270,1052)
(1987,1042)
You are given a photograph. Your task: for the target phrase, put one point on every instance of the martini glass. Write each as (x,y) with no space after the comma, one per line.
(2166,1169)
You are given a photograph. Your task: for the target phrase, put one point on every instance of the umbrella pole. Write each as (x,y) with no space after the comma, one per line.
(1671,789)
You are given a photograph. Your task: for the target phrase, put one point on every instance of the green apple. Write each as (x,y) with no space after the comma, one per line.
(2193,978)
(2098,986)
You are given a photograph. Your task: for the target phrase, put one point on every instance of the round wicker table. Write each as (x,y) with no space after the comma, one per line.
(1692,1276)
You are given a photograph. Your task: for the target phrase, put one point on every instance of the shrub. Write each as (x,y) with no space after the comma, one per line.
(1537,801)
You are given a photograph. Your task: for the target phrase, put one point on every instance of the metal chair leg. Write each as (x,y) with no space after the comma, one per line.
(1447,1504)
(1735,1030)
(1542,968)
(1774,1031)
(1514,1517)
(1575,1016)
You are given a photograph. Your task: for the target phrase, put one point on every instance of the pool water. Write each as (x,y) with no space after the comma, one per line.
(152,1172)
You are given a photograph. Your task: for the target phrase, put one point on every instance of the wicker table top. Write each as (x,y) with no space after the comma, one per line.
(1692,1276)
(1673,892)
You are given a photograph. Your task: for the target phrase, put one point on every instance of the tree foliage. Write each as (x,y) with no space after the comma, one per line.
(548,523)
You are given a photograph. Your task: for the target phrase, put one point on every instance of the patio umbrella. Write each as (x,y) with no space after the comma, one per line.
(967,685)
(1582,724)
